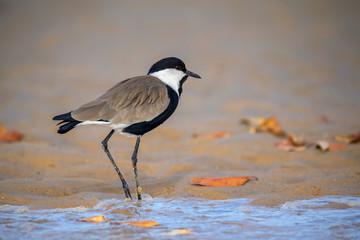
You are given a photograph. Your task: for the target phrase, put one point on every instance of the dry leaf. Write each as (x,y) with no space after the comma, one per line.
(177,232)
(252,122)
(324,146)
(292,143)
(145,224)
(221,181)
(3,130)
(336,146)
(354,138)
(217,134)
(270,125)
(95,219)
(323,119)
(9,136)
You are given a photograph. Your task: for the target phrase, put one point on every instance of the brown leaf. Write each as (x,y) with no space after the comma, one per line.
(9,136)
(251,122)
(145,224)
(323,119)
(95,219)
(221,181)
(217,134)
(292,143)
(270,125)
(354,138)
(324,146)
(336,146)
(178,232)
(3,130)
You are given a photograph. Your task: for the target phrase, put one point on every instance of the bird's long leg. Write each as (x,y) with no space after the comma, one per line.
(124,183)
(134,161)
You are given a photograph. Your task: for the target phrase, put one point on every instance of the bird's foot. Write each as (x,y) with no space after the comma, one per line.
(139,191)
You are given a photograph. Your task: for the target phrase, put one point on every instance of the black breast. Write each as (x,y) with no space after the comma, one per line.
(143,127)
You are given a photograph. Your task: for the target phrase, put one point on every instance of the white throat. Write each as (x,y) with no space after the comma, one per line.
(170,77)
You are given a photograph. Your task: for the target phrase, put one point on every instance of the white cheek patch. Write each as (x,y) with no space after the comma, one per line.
(170,77)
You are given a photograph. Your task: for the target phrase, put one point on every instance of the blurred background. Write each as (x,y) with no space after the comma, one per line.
(293,59)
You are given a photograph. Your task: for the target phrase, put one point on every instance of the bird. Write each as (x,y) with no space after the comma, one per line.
(132,108)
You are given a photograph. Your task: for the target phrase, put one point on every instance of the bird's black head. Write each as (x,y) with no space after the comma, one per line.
(171,63)
(172,72)
(168,63)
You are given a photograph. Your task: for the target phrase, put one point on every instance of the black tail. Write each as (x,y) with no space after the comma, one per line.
(67,122)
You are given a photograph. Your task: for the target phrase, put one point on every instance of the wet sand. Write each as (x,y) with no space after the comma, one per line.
(295,60)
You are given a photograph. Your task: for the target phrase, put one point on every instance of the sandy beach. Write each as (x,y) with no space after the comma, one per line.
(296,60)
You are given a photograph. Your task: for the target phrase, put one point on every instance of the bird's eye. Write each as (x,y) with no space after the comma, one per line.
(177,67)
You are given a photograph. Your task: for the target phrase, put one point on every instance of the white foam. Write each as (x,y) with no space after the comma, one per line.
(13,209)
(316,202)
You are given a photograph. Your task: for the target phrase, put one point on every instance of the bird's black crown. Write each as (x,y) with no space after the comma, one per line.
(165,63)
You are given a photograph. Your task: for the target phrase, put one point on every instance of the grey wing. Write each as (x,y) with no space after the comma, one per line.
(130,101)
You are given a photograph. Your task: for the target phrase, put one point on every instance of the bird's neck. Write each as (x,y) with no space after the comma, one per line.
(181,84)
(172,78)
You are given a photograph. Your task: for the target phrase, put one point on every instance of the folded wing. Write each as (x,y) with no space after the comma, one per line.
(130,101)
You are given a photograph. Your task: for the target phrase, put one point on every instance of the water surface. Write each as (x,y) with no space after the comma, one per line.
(328,217)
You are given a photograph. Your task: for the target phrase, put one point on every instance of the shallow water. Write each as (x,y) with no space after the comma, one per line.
(318,218)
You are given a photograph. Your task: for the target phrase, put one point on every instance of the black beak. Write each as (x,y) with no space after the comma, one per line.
(191,74)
